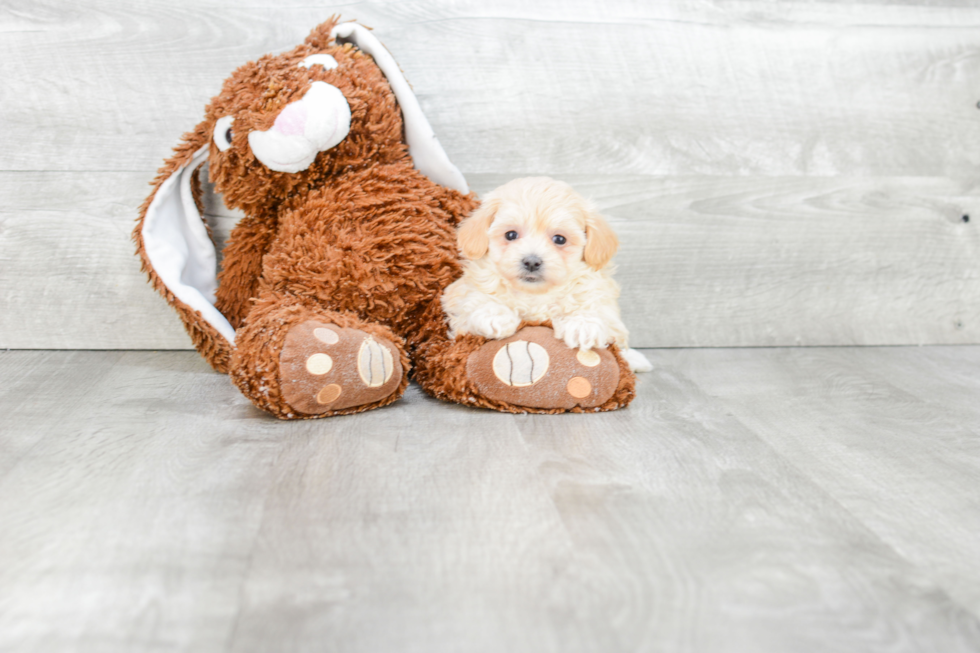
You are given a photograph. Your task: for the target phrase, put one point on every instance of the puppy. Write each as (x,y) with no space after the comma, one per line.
(536,250)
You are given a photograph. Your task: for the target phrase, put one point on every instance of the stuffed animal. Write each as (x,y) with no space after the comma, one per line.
(329,289)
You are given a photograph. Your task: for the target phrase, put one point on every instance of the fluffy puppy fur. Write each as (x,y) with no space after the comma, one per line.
(538,251)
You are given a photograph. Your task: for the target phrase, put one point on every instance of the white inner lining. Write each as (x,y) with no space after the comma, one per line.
(179,248)
(427,153)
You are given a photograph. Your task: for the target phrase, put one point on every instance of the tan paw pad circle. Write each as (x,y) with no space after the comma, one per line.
(329,394)
(374,363)
(588,357)
(579,387)
(521,363)
(325,368)
(319,364)
(328,336)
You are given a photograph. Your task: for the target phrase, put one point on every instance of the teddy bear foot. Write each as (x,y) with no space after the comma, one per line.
(532,368)
(325,368)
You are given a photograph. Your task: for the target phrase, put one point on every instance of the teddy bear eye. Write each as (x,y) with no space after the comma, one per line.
(558,240)
(222,133)
(511,235)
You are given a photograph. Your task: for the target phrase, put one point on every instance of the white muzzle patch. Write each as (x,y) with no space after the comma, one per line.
(315,123)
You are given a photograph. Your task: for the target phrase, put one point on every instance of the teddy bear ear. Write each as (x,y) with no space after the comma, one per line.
(173,241)
(423,146)
(322,35)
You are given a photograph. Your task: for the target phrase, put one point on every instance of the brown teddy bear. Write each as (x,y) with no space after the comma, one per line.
(330,285)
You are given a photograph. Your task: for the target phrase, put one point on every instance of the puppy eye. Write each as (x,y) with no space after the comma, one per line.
(511,235)
(222,133)
(558,240)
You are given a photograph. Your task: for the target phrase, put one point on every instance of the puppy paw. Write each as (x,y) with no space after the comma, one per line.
(536,370)
(582,332)
(494,321)
(325,368)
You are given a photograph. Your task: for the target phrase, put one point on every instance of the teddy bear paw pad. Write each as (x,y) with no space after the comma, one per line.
(323,367)
(532,368)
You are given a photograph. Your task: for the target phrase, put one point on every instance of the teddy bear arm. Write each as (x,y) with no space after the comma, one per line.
(382,257)
(241,267)
(456,205)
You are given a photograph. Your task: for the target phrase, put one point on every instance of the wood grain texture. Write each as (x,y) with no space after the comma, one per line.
(704,261)
(779,175)
(748,501)
(796,261)
(876,441)
(69,275)
(549,87)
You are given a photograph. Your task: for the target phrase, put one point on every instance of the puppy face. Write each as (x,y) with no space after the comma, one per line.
(537,233)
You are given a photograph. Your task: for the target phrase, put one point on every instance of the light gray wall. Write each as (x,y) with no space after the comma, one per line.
(780,173)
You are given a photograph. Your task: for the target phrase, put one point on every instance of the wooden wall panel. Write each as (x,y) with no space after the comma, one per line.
(780,174)
(69,275)
(705,261)
(516,87)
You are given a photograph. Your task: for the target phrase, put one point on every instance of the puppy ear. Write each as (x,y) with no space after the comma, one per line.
(600,240)
(472,236)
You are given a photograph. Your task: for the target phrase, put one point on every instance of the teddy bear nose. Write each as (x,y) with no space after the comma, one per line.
(531,263)
(291,121)
(316,122)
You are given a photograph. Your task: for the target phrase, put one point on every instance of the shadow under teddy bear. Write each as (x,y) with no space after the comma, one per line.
(330,285)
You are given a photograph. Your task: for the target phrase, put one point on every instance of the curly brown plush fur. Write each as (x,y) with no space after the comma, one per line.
(360,239)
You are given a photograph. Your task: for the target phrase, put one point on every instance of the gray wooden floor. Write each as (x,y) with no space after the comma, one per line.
(753,500)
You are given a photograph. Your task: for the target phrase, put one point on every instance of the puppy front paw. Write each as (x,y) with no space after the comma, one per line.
(582,332)
(494,321)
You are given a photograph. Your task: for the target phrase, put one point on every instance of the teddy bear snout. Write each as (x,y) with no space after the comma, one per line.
(291,121)
(316,122)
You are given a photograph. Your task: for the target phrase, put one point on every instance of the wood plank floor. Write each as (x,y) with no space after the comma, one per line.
(750,500)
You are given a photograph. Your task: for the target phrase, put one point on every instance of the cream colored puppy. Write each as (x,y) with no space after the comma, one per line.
(536,250)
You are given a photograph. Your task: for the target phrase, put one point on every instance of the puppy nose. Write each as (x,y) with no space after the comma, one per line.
(531,263)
